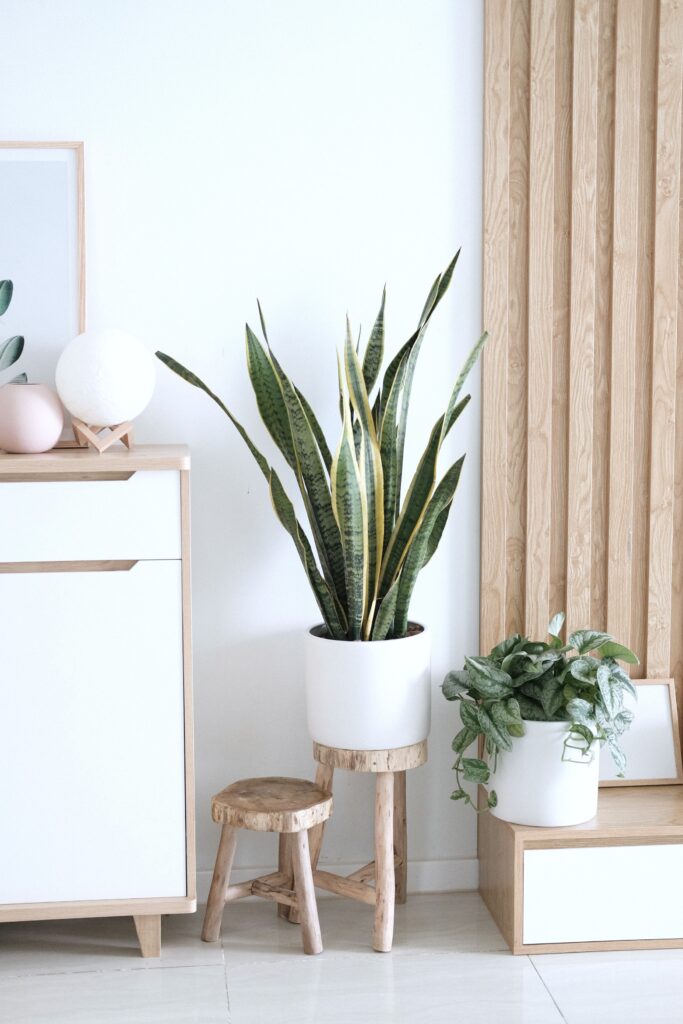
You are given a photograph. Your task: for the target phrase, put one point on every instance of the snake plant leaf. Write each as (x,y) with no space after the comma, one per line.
(372,479)
(384,619)
(387,445)
(10,351)
(6,290)
(374,353)
(325,452)
(284,510)
(418,553)
(351,514)
(454,408)
(269,397)
(315,489)
(282,504)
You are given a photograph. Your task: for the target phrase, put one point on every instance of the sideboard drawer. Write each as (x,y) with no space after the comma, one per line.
(134,516)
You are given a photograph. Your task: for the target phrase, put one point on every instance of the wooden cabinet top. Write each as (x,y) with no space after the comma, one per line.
(70,461)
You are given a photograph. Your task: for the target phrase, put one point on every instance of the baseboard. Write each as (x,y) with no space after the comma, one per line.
(454,875)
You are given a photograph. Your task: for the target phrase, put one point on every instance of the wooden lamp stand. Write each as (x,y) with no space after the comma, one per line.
(88,435)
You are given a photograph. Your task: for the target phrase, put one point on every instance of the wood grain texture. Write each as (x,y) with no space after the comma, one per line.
(582,311)
(495,315)
(540,373)
(664,336)
(398,759)
(73,463)
(272,804)
(148,928)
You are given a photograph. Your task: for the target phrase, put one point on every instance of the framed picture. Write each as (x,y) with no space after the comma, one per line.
(42,249)
(652,745)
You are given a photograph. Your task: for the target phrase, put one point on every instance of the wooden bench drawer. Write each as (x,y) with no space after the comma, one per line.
(132,516)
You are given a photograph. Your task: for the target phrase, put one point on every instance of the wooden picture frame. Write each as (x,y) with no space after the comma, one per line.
(73,159)
(652,745)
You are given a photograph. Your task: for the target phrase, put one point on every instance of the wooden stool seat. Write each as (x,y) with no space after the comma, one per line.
(289,807)
(383,882)
(272,805)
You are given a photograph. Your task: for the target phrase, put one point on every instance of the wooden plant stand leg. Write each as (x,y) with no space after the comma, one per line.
(219,884)
(148,927)
(284,866)
(401,836)
(305,893)
(323,777)
(385,881)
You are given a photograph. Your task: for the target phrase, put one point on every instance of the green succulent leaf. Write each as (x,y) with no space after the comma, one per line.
(6,290)
(384,618)
(372,360)
(10,351)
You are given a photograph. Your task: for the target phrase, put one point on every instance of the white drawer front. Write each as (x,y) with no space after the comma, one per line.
(88,520)
(603,893)
(92,782)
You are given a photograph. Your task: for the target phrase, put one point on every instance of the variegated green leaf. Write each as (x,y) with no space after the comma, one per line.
(10,351)
(387,443)
(269,397)
(372,481)
(374,353)
(418,552)
(6,289)
(351,514)
(384,618)
(454,408)
(317,431)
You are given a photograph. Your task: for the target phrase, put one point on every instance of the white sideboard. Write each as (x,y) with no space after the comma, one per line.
(96,747)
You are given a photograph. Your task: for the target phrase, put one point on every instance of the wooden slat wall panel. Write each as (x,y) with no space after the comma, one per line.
(582,490)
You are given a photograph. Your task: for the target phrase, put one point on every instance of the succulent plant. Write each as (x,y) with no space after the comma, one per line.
(11,349)
(371,541)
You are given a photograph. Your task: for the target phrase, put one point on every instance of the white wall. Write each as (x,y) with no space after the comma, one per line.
(305,152)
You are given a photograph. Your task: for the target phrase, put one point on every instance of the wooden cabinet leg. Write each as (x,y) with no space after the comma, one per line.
(305,892)
(323,777)
(284,866)
(219,883)
(401,836)
(148,927)
(385,881)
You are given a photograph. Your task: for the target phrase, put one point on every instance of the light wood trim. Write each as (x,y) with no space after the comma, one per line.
(497,27)
(186,584)
(65,462)
(98,565)
(45,478)
(397,760)
(582,328)
(148,928)
(342,886)
(96,908)
(541,271)
(664,335)
(624,339)
(80,209)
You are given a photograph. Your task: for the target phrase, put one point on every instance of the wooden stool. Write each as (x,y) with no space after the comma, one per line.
(287,806)
(390,866)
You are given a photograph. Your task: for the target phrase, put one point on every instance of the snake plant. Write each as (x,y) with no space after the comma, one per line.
(371,542)
(11,349)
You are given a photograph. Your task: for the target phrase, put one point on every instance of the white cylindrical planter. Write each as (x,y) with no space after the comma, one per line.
(365,695)
(536,786)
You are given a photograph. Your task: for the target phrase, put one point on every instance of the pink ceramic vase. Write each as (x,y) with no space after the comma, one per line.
(31,418)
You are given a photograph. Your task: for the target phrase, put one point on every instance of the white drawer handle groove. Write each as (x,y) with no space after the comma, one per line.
(99,565)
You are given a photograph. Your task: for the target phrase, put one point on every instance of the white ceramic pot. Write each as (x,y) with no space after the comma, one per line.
(31,418)
(536,786)
(368,695)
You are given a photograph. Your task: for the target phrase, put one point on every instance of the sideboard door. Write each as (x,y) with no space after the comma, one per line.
(92,784)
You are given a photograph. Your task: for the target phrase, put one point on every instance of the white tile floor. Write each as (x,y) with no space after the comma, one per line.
(449,965)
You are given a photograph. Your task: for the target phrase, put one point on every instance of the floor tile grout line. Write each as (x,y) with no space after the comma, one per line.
(542,980)
(9,976)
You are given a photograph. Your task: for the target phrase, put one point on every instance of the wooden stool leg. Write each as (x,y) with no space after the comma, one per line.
(305,892)
(401,836)
(385,882)
(323,777)
(219,883)
(148,927)
(284,866)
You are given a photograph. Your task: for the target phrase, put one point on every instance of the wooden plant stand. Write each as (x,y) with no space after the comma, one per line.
(389,869)
(91,436)
(290,807)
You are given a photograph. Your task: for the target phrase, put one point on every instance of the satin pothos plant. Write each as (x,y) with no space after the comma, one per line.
(369,541)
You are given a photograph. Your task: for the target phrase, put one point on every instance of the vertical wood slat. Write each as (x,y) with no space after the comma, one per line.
(664,335)
(624,291)
(495,312)
(518,316)
(541,264)
(582,329)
